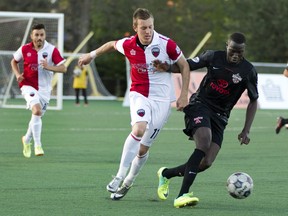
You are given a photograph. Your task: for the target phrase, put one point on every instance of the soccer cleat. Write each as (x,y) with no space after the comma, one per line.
(163,187)
(279,125)
(38,151)
(26,148)
(185,200)
(121,192)
(114,184)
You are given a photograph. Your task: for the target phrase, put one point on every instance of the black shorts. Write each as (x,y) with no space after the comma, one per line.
(198,115)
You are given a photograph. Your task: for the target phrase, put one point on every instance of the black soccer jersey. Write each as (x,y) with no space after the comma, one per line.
(224,82)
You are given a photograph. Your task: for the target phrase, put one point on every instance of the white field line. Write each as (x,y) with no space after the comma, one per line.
(5,130)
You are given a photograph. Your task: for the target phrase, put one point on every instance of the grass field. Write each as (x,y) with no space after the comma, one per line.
(82,150)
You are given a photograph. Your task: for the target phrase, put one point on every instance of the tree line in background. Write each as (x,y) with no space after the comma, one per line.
(264,23)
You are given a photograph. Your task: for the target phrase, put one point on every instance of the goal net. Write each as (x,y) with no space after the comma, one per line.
(15,30)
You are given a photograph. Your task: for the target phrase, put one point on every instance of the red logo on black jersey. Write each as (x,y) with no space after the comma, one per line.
(220,87)
(155,51)
(141,112)
(222,83)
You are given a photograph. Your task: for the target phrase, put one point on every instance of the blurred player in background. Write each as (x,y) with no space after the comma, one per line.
(151,93)
(229,74)
(80,84)
(282,121)
(40,60)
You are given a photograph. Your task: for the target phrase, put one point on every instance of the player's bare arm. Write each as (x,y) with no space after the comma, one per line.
(88,57)
(16,71)
(161,66)
(165,67)
(185,73)
(250,114)
(55,68)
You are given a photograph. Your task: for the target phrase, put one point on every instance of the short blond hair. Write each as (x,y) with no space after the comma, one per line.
(141,13)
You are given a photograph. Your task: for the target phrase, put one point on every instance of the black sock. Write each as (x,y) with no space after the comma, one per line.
(191,171)
(176,171)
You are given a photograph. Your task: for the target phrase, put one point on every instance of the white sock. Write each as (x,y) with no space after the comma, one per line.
(130,150)
(28,135)
(136,166)
(36,127)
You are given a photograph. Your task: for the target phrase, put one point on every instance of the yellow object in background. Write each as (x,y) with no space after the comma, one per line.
(80,77)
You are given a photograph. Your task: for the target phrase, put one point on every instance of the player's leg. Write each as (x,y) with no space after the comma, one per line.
(210,157)
(131,159)
(130,149)
(280,123)
(36,127)
(160,112)
(218,125)
(140,115)
(38,111)
(26,141)
(137,164)
(77,92)
(84,93)
(198,126)
(202,138)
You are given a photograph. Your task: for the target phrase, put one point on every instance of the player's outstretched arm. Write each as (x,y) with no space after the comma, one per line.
(88,57)
(61,68)
(165,67)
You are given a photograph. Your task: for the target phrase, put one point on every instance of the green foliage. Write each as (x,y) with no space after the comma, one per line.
(185,21)
(265,24)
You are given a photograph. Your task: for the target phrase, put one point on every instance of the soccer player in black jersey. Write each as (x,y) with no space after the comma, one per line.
(282,121)
(229,74)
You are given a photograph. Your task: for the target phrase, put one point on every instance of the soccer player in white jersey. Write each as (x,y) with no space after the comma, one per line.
(151,93)
(40,60)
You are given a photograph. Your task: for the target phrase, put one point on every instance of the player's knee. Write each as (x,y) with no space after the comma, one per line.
(205,165)
(37,112)
(203,141)
(139,129)
(138,132)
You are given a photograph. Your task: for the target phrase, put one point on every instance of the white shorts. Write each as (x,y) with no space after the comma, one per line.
(155,113)
(32,97)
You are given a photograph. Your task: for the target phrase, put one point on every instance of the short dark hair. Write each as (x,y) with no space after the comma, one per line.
(38,26)
(141,13)
(238,37)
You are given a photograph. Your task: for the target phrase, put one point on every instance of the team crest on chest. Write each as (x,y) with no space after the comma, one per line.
(155,51)
(236,78)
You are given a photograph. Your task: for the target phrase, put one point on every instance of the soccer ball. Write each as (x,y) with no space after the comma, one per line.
(77,71)
(239,185)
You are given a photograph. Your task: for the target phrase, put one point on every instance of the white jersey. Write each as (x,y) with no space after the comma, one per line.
(145,80)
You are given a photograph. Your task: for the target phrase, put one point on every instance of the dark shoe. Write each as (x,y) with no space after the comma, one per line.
(279,125)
